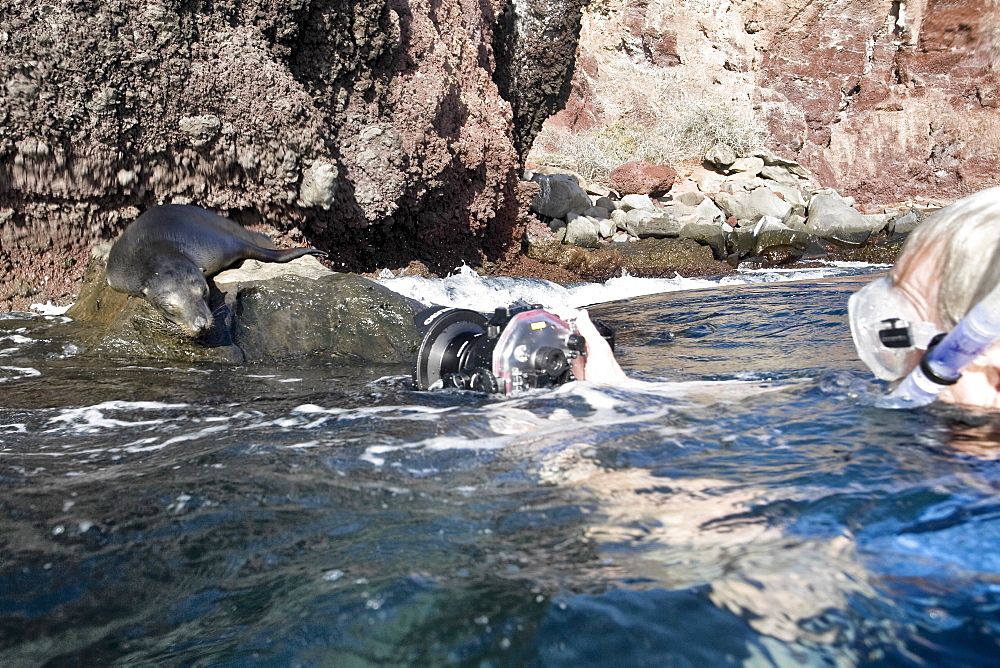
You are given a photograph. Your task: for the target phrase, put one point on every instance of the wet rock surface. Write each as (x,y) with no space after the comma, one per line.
(647,258)
(262,312)
(333,314)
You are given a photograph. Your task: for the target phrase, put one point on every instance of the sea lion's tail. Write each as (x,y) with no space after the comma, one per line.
(287,255)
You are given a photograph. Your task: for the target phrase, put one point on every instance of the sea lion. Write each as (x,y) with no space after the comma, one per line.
(166,254)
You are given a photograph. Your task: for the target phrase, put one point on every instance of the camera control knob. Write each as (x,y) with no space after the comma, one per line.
(483,380)
(576,343)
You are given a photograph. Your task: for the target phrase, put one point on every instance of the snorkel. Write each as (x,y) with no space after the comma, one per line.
(948,355)
(896,343)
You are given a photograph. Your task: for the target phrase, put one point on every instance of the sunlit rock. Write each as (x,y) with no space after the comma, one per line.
(558,195)
(262,311)
(830,217)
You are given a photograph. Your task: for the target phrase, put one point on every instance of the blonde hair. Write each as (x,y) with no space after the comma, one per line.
(961,244)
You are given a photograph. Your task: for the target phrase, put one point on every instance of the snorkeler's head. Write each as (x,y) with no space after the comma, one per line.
(889,331)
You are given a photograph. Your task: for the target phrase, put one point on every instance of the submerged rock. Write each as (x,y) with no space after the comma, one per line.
(262,311)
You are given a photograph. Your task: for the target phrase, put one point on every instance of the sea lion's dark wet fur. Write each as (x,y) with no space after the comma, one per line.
(166,254)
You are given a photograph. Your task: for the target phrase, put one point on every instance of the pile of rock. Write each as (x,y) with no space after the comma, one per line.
(262,312)
(752,208)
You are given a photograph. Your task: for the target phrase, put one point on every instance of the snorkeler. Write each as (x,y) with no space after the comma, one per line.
(934,321)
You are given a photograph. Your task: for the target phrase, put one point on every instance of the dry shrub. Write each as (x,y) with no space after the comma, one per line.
(652,116)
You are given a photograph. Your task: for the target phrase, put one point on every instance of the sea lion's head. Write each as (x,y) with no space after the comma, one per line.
(180,293)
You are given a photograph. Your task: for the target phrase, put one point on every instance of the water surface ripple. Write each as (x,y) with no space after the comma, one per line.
(742,503)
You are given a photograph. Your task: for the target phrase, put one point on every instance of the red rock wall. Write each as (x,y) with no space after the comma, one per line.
(890,100)
(887,100)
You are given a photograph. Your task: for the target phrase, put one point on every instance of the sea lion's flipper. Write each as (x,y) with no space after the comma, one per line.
(287,255)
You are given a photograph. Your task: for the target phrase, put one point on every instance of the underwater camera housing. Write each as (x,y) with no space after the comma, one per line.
(519,347)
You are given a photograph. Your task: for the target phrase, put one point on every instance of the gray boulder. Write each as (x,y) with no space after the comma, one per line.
(905,222)
(832,218)
(606,203)
(598,212)
(636,201)
(262,311)
(606,227)
(771,159)
(707,234)
(738,183)
(736,205)
(779,243)
(750,166)
(753,205)
(644,224)
(708,212)
(582,231)
(708,181)
(879,221)
(741,241)
(796,222)
(794,195)
(339,315)
(721,156)
(690,197)
(779,174)
(558,195)
(768,203)
(620,218)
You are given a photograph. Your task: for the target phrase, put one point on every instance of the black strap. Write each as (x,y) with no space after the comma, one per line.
(926,368)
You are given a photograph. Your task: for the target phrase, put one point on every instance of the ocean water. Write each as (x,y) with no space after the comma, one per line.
(741,501)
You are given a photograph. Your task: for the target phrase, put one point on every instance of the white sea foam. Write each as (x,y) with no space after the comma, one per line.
(8,373)
(180,438)
(86,419)
(466,289)
(48,308)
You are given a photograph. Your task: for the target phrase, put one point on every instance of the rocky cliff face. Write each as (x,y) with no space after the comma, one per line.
(383,130)
(885,99)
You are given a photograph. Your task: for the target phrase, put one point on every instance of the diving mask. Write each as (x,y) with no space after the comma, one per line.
(888,333)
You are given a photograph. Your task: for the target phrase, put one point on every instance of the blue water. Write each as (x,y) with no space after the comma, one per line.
(744,504)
